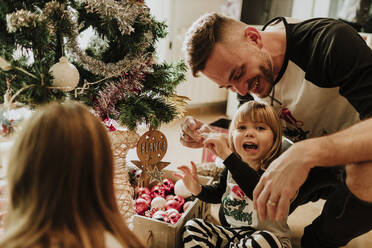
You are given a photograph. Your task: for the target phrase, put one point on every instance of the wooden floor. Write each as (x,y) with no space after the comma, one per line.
(179,155)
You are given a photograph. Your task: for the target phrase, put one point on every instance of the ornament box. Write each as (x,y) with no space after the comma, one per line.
(159,234)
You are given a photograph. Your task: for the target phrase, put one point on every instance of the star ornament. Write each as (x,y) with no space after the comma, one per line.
(155,175)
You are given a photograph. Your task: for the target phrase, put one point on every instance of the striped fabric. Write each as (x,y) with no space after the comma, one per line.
(199,233)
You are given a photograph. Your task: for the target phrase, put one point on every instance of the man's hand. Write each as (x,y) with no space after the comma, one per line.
(191,130)
(190,178)
(280,182)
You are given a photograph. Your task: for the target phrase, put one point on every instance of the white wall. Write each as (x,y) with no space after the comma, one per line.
(179,15)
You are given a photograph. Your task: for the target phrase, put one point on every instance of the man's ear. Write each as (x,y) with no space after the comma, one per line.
(252,34)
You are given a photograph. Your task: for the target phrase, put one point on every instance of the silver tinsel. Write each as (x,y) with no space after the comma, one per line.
(125,12)
(22,18)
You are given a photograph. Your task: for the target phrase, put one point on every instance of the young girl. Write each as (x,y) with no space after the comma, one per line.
(60,183)
(255,138)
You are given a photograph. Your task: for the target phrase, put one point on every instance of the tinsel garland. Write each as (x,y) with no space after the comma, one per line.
(22,18)
(124,12)
(128,84)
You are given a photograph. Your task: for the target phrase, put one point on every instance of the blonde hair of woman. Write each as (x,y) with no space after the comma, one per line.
(60,179)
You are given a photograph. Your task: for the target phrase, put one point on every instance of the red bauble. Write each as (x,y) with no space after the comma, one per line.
(168,185)
(147,197)
(157,190)
(142,190)
(174,217)
(180,199)
(141,206)
(173,204)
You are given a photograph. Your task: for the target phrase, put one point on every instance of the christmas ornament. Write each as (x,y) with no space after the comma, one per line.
(170,211)
(174,217)
(180,199)
(155,175)
(158,202)
(173,204)
(181,190)
(157,190)
(142,190)
(151,148)
(141,206)
(159,215)
(147,198)
(65,75)
(168,185)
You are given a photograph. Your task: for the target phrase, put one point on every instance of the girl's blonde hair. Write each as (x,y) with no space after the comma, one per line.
(259,112)
(60,177)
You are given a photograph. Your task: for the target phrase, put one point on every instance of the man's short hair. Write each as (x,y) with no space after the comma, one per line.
(201,38)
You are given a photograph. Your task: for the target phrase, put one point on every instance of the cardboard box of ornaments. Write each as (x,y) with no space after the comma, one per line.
(156,231)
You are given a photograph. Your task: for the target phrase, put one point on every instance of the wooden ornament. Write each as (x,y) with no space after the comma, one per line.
(151,148)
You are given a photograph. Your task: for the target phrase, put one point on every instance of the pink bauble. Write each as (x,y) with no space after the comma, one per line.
(158,202)
(180,199)
(174,217)
(142,190)
(157,190)
(141,206)
(181,190)
(168,185)
(147,197)
(168,213)
(173,204)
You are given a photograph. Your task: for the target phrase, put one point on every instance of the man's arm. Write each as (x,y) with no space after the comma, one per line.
(287,173)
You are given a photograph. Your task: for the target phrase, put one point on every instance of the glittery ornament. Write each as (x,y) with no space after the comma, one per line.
(65,75)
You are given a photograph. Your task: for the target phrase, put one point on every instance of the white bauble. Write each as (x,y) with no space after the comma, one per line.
(181,190)
(158,202)
(65,75)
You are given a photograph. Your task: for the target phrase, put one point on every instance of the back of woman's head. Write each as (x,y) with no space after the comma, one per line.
(260,112)
(60,178)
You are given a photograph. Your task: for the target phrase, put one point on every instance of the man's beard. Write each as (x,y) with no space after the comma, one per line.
(268,76)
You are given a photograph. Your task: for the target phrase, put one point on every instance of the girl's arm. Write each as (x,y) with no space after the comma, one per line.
(213,193)
(207,193)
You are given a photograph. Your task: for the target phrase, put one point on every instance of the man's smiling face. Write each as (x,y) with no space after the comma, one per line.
(241,67)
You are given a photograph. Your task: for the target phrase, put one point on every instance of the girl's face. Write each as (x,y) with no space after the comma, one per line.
(252,141)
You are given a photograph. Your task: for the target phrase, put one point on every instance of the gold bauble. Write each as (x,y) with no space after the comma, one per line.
(65,75)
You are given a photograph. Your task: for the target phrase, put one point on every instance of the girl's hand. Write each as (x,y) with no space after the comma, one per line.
(218,144)
(189,178)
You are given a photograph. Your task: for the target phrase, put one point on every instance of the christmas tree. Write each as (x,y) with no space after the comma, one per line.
(118,75)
